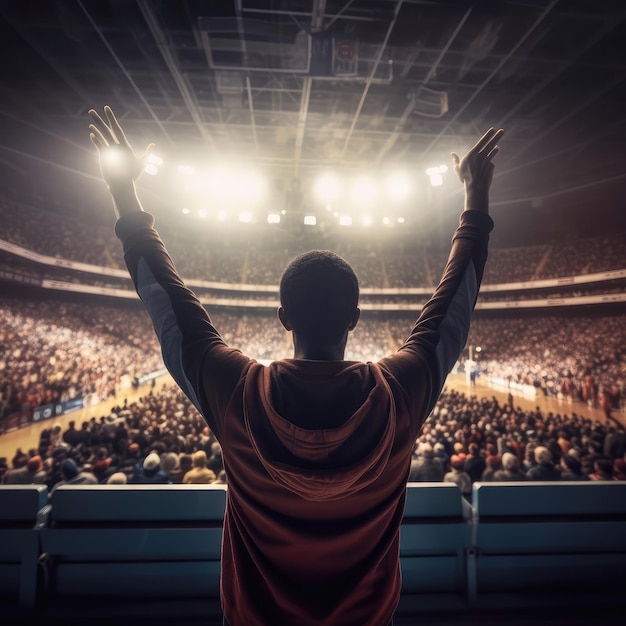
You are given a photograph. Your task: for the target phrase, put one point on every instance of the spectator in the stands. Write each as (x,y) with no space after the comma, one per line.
(603,470)
(619,469)
(200,473)
(102,466)
(475,463)
(221,479)
(215,462)
(169,463)
(31,473)
(149,472)
(510,469)
(493,464)
(425,467)
(73,475)
(71,436)
(458,475)
(571,468)
(117,478)
(544,468)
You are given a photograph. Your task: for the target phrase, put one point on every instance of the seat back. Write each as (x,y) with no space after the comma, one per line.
(23,510)
(434,537)
(135,540)
(552,536)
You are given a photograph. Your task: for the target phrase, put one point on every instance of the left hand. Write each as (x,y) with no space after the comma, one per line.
(119,165)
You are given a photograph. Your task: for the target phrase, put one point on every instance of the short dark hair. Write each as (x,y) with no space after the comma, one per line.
(319,293)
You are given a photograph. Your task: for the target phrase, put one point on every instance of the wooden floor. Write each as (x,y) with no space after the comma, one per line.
(26,438)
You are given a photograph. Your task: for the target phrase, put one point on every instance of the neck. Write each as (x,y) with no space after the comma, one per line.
(333,352)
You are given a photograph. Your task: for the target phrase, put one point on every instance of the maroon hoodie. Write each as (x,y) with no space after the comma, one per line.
(317,453)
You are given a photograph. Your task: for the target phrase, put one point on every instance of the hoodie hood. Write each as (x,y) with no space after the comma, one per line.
(286,401)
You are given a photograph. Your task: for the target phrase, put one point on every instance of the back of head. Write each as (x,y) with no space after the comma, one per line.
(152,462)
(35,464)
(117,478)
(543,455)
(319,293)
(169,461)
(185,462)
(69,469)
(510,462)
(199,458)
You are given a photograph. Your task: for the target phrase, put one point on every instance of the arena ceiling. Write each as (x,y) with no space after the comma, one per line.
(298,86)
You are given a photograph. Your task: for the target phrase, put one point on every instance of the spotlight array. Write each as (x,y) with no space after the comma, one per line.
(241,194)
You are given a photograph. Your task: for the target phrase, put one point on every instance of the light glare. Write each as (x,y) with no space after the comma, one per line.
(363,191)
(328,188)
(310,220)
(398,187)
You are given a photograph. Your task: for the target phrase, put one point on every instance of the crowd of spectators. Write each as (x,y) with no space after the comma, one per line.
(158,439)
(161,438)
(54,350)
(468,439)
(237,259)
(580,358)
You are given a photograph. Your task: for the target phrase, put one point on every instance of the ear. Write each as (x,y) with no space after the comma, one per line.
(282,316)
(355,319)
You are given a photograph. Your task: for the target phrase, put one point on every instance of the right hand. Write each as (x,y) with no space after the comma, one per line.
(475,169)
(119,165)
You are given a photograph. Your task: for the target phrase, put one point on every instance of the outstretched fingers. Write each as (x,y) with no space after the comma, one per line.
(97,138)
(491,139)
(106,131)
(115,127)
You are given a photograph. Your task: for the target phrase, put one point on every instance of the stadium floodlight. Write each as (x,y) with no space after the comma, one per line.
(435,174)
(186,211)
(328,188)
(398,186)
(363,191)
(245,217)
(386,221)
(152,164)
(400,220)
(345,220)
(273,218)
(310,220)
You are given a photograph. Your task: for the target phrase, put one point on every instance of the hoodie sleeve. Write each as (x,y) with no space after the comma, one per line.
(440,333)
(191,346)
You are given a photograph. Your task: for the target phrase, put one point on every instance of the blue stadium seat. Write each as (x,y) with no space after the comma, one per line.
(539,542)
(23,511)
(434,538)
(134,541)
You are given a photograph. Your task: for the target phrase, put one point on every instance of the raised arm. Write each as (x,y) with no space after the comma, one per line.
(193,351)
(440,333)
